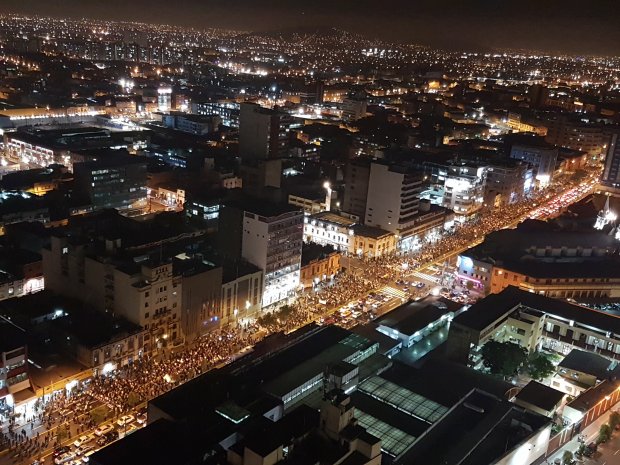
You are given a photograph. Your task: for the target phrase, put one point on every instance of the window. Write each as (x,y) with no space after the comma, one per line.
(146,315)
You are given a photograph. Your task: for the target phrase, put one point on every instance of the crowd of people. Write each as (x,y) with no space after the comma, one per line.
(131,385)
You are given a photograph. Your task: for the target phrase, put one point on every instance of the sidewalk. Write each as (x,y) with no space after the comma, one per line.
(590,432)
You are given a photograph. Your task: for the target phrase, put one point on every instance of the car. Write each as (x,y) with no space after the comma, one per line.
(83,449)
(125,420)
(64,458)
(103,429)
(112,436)
(141,419)
(87,455)
(82,440)
(60,451)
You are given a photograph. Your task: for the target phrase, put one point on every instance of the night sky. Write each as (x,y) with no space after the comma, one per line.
(586,26)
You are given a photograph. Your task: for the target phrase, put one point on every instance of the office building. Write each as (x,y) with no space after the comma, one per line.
(611,172)
(576,134)
(353,108)
(393,198)
(507,183)
(14,377)
(538,258)
(227,111)
(164,99)
(541,156)
(263,132)
(356,178)
(464,189)
(191,124)
(112,182)
(269,236)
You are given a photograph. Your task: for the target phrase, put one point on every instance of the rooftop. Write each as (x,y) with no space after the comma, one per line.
(587,362)
(488,428)
(311,251)
(414,316)
(370,231)
(539,395)
(331,217)
(495,306)
(588,399)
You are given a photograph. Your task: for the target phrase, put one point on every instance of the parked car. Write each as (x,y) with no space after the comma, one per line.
(103,429)
(82,440)
(60,450)
(125,420)
(83,449)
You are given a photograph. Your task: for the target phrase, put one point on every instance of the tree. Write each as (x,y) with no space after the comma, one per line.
(604,433)
(286,311)
(539,366)
(503,358)
(567,457)
(614,420)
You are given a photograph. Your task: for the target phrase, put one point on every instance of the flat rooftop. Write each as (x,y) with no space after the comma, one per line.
(588,362)
(413,316)
(370,231)
(480,315)
(331,217)
(541,396)
(488,428)
(588,399)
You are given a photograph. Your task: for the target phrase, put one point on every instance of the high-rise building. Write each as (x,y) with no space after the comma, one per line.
(464,189)
(263,132)
(269,236)
(611,173)
(575,134)
(537,94)
(228,111)
(539,154)
(393,197)
(356,177)
(164,99)
(113,182)
(353,108)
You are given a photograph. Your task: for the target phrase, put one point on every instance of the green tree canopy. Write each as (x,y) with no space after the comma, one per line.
(503,358)
(539,366)
(604,433)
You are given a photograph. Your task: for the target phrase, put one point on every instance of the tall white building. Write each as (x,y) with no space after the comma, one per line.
(269,236)
(393,198)
(464,189)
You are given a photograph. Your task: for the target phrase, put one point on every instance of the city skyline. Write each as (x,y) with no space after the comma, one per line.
(276,233)
(568,27)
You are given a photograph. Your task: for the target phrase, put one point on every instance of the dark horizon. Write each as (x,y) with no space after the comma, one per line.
(568,26)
